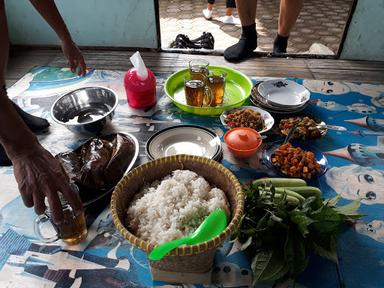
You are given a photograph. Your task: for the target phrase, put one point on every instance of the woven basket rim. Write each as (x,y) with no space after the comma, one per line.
(188,250)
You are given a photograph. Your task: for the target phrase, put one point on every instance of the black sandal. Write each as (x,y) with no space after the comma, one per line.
(205,41)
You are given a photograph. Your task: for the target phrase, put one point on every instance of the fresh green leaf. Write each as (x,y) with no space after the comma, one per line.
(327,220)
(332,201)
(246,244)
(326,248)
(349,209)
(276,218)
(302,221)
(311,203)
(294,253)
(352,218)
(263,221)
(276,268)
(277,235)
(278,275)
(260,263)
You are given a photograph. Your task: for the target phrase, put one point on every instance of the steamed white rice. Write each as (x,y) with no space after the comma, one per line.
(169,209)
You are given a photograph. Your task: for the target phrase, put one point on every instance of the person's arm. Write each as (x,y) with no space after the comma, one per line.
(4,43)
(37,172)
(48,10)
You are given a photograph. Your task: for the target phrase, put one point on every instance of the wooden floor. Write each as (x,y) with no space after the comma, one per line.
(21,61)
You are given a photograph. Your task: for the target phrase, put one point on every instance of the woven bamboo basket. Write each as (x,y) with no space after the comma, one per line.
(185,259)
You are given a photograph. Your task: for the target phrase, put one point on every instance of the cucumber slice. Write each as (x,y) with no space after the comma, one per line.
(306,191)
(280,182)
(289,192)
(294,201)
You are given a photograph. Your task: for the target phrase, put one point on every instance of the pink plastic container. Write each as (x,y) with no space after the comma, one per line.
(140,93)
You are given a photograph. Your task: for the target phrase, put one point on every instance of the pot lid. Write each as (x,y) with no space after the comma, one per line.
(242,138)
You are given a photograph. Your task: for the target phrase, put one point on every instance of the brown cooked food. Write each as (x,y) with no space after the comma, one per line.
(98,164)
(306,128)
(245,118)
(295,162)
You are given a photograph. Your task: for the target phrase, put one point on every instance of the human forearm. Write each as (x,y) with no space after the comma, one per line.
(4,43)
(48,10)
(14,134)
(38,174)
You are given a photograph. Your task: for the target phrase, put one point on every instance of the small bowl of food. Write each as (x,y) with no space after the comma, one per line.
(167,199)
(295,160)
(247,116)
(307,128)
(86,110)
(243,142)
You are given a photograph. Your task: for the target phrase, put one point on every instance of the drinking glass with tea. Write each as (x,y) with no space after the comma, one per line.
(72,230)
(198,69)
(216,84)
(197,93)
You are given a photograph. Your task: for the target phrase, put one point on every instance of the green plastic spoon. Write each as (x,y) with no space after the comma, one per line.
(212,226)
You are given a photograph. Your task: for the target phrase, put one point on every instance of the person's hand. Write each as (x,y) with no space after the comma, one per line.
(40,175)
(74,57)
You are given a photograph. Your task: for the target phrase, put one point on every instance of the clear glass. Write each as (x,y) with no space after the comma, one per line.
(72,230)
(198,69)
(197,93)
(216,83)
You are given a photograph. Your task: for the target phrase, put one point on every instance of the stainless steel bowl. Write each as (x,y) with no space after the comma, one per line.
(86,110)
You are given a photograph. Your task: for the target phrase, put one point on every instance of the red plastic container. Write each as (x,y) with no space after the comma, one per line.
(140,93)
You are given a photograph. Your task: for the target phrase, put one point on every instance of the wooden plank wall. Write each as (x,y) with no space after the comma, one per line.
(21,61)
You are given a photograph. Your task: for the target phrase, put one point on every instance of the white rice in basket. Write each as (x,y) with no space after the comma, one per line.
(174,207)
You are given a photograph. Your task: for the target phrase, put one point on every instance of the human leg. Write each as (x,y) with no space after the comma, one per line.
(208,11)
(247,11)
(248,40)
(289,11)
(230,4)
(229,18)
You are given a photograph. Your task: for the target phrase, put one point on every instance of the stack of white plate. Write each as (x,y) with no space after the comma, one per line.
(280,96)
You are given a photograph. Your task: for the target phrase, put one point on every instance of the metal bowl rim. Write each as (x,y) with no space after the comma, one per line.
(86,123)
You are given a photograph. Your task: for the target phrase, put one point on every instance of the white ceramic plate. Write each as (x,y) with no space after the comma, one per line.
(276,110)
(256,97)
(282,92)
(268,119)
(184,139)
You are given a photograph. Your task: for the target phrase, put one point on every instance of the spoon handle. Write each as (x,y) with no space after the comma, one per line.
(160,251)
(290,134)
(337,128)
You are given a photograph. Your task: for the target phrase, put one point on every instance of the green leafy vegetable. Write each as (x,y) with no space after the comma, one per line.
(282,225)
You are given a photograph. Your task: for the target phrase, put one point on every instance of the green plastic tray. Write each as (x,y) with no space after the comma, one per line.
(237,90)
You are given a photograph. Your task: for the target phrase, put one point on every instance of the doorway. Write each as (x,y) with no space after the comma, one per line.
(318,30)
